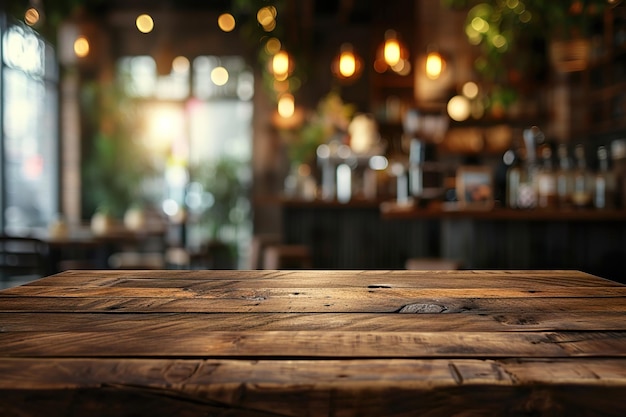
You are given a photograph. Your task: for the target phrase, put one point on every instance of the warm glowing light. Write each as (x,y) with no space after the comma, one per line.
(219,76)
(144,23)
(81,47)
(403,67)
(434,65)
(180,65)
(280,65)
(286,106)
(266,16)
(32,16)
(391,50)
(226,22)
(347,64)
(392,55)
(470,90)
(272,46)
(459,108)
(270,27)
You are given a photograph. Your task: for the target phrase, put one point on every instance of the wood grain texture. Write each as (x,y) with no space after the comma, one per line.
(314,343)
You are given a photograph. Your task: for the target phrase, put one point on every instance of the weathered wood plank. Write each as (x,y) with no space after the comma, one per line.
(243,291)
(315,388)
(331,279)
(63,373)
(262,302)
(204,322)
(177,342)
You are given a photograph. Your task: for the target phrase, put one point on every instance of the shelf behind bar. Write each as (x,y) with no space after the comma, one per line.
(393,211)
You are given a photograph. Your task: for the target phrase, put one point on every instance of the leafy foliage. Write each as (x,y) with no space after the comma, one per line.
(116,163)
(224,180)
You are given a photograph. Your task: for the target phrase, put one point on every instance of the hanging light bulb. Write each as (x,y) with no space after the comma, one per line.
(347,64)
(434,64)
(391,50)
(393,55)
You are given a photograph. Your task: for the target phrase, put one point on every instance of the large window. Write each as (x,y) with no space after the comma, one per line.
(197,121)
(29,134)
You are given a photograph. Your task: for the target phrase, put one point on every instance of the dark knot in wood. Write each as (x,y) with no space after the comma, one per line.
(422,308)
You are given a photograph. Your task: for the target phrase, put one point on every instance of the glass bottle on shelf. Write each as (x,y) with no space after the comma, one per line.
(564,178)
(583,181)
(605,182)
(527,190)
(511,159)
(546,181)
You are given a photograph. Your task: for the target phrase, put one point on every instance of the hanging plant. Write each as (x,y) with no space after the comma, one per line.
(514,37)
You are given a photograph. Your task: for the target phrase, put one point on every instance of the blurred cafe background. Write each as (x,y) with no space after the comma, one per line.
(281,134)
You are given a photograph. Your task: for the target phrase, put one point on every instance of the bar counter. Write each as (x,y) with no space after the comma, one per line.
(383,235)
(314,343)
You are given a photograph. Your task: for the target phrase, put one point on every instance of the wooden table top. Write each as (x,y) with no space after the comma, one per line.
(314,343)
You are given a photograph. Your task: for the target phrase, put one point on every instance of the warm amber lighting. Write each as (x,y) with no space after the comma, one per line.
(226,22)
(286,106)
(272,46)
(32,16)
(459,108)
(81,47)
(281,65)
(434,65)
(219,76)
(391,50)
(470,90)
(266,16)
(144,23)
(347,64)
(392,54)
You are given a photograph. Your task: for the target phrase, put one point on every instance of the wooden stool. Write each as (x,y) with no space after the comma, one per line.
(287,257)
(432,264)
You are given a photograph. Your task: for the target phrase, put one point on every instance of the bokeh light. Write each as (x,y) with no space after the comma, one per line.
(144,23)
(32,16)
(81,47)
(219,76)
(226,22)
(286,105)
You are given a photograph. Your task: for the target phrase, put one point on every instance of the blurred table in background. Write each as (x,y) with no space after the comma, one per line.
(79,247)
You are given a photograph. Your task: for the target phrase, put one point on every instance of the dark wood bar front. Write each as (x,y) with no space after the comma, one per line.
(383,236)
(314,343)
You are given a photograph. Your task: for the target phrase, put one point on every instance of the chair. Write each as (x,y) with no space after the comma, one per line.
(22,259)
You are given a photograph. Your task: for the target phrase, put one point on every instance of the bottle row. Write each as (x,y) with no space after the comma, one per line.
(536,179)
